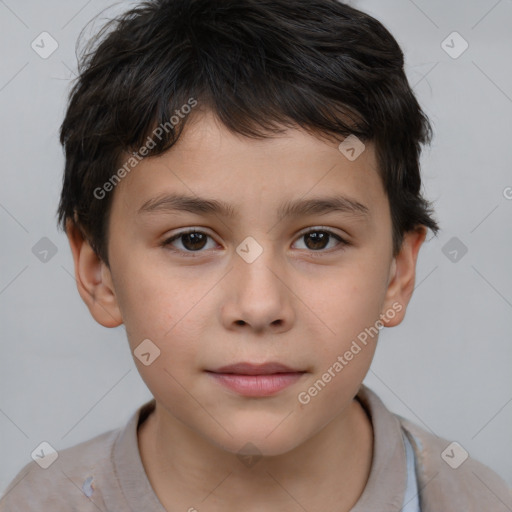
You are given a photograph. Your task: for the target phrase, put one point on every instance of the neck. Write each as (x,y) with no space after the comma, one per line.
(329,470)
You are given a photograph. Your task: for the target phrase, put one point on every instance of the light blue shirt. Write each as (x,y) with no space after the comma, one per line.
(411,498)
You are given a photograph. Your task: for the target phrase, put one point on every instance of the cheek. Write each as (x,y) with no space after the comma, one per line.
(167,322)
(344,356)
(349,300)
(172,310)
(335,384)
(155,302)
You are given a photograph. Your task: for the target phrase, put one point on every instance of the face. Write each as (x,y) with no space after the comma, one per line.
(229,250)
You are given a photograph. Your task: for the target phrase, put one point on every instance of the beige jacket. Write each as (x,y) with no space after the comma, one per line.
(105,474)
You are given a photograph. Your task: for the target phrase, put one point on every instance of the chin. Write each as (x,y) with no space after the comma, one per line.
(261,438)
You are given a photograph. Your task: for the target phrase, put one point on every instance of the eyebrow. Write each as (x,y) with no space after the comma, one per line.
(296,208)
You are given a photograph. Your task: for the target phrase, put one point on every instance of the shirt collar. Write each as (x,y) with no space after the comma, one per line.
(384,490)
(128,466)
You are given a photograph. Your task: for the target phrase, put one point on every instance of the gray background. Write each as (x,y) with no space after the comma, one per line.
(64,379)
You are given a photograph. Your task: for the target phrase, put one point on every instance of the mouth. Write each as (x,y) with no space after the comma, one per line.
(256,380)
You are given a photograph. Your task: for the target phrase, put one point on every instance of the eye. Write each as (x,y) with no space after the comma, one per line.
(195,241)
(189,241)
(321,239)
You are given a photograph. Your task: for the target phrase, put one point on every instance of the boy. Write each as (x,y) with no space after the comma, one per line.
(242,192)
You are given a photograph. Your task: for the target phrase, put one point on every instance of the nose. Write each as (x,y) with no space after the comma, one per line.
(257,296)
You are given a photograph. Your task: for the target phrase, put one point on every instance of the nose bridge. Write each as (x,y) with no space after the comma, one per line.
(257,295)
(255,268)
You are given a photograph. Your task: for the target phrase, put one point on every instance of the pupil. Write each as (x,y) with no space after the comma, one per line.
(319,240)
(194,241)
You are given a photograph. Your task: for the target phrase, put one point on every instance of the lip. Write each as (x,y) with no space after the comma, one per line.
(256,369)
(256,380)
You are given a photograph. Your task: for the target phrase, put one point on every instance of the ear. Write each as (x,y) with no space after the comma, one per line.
(93,279)
(402,277)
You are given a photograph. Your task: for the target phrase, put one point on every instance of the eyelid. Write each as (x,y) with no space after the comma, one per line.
(167,241)
(318,228)
(343,242)
(343,238)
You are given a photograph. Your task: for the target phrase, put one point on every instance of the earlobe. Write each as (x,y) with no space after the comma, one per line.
(402,277)
(93,279)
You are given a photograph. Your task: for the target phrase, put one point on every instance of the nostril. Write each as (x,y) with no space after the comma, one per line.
(240,322)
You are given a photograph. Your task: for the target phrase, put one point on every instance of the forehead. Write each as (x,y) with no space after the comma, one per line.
(209,161)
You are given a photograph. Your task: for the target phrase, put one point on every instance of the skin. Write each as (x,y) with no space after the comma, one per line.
(298,303)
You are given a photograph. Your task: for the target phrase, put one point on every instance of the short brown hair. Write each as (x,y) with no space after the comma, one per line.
(260,66)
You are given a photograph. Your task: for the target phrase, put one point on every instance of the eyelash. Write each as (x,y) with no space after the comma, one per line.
(340,246)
